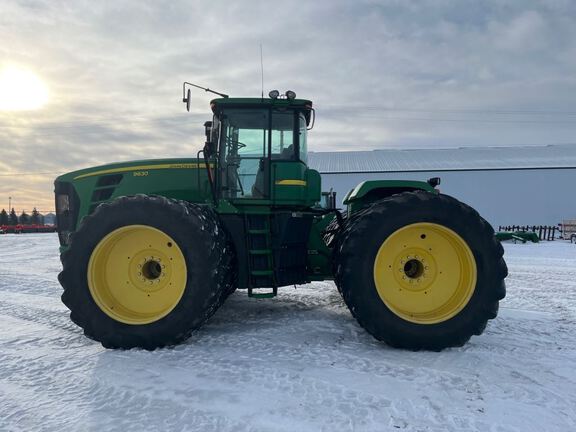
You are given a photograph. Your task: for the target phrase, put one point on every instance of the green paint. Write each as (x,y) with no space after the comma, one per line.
(319,255)
(366,187)
(184,179)
(373,190)
(292,183)
(522,236)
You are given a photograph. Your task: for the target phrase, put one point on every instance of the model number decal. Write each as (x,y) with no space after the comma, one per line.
(140,173)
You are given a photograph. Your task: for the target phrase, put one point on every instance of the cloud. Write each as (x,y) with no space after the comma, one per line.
(381,74)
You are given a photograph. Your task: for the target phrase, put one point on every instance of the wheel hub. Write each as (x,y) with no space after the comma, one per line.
(152,270)
(415,269)
(149,270)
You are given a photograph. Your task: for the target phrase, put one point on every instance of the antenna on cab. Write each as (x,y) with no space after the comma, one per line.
(262,69)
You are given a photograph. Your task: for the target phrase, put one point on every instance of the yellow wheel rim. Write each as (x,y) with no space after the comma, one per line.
(425,273)
(137,274)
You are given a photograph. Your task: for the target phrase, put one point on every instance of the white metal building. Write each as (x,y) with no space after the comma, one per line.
(508,185)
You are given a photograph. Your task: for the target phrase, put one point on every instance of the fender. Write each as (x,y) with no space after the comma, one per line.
(370,191)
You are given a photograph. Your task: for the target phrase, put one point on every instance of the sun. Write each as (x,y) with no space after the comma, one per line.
(20,90)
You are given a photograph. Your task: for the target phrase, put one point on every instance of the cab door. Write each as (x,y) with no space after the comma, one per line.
(244,166)
(289,173)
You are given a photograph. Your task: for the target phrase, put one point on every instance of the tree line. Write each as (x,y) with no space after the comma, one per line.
(24,219)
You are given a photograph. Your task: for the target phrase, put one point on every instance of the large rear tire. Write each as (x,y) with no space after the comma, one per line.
(332,232)
(420,271)
(332,236)
(145,271)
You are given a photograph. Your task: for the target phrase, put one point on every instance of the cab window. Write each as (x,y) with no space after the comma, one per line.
(283,145)
(302,135)
(244,144)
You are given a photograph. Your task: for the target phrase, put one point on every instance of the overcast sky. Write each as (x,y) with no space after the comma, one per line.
(382,74)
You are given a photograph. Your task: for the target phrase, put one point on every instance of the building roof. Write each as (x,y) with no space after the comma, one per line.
(454,159)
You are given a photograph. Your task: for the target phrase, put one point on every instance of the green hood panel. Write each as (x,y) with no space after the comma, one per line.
(184,179)
(133,166)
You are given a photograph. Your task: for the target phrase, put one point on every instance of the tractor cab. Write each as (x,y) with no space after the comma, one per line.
(259,149)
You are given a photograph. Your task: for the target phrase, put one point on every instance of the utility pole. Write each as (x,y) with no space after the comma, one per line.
(9,204)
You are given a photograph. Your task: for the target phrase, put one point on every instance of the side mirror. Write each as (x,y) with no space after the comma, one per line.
(187,100)
(312,119)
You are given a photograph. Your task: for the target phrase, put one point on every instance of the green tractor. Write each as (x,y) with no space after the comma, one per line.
(151,249)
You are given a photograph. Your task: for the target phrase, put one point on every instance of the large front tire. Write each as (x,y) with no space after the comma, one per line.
(145,271)
(420,271)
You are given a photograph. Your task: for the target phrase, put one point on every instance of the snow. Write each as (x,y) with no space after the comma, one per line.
(295,363)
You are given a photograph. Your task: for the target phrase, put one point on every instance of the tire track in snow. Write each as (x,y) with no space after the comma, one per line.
(47,318)
(76,399)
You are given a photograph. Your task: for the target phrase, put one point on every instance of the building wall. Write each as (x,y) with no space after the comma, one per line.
(503,197)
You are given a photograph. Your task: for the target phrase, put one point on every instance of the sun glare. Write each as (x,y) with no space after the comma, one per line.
(20,90)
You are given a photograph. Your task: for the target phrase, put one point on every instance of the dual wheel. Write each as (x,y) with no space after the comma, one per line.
(146,271)
(420,270)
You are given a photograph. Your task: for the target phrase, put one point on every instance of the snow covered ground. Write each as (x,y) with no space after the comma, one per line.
(295,363)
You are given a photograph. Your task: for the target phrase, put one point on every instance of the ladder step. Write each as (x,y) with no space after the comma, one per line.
(258,231)
(262,295)
(262,272)
(261,261)
(260,252)
(269,294)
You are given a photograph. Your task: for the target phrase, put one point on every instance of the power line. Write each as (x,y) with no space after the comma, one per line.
(462,120)
(349,111)
(454,110)
(30,174)
(103,121)
(37,134)
(42,212)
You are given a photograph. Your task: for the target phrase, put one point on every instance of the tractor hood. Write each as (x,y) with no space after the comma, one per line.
(79,193)
(132,167)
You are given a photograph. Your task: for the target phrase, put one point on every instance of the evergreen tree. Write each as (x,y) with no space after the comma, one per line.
(24,218)
(3,217)
(13,219)
(35,218)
